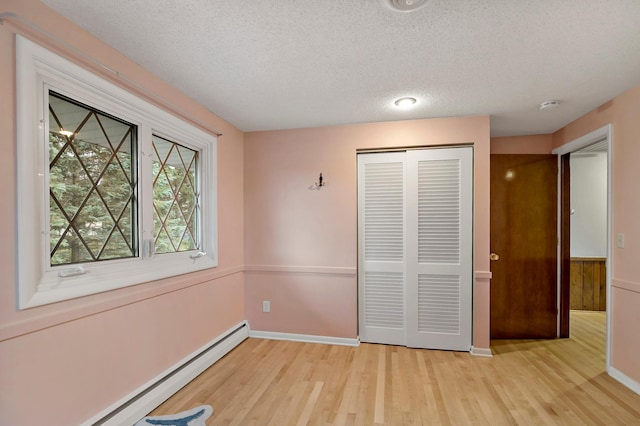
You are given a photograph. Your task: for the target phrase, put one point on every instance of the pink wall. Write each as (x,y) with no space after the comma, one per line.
(63,363)
(623,113)
(301,243)
(530,144)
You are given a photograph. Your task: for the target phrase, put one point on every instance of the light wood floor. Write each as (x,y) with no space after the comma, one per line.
(268,382)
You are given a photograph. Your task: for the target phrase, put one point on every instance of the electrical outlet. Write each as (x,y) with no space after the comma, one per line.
(266,306)
(620,240)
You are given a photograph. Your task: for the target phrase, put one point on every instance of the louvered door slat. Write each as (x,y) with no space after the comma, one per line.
(383,211)
(439,211)
(384,300)
(438,303)
(439,243)
(439,253)
(381,216)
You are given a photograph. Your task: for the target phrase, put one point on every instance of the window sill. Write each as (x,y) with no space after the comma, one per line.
(101,278)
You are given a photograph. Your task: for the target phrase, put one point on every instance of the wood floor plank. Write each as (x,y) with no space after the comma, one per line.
(378,416)
(527,382)
(311,402)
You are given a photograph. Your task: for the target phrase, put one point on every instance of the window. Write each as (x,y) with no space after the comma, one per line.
(92,184)
(175,197)
(112,191)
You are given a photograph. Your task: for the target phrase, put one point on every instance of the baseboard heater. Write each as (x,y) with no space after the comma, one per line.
(143,400)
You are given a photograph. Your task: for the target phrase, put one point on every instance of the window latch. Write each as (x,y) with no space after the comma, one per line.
(72,272)
(198,255)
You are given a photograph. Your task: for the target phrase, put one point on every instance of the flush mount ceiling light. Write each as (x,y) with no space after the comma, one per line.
(405,5)
(549,105)
(405,102)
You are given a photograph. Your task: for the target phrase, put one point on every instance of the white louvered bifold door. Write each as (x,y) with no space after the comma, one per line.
(381,248)
(439,248)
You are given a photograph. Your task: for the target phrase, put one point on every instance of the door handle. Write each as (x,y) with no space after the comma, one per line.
(494,257)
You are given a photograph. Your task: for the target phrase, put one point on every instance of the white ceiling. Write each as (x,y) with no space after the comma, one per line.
(278,64)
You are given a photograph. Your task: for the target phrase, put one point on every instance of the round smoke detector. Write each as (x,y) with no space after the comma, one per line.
(405,5)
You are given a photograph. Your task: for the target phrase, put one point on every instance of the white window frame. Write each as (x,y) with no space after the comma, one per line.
(39,283)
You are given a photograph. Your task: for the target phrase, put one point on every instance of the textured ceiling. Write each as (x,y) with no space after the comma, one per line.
(278,64)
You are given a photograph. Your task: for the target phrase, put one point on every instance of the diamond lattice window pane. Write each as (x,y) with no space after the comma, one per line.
(92,170)
(175,197)
(94,223)
(56,143)
(70,246)
(113,247)
(126,221)
(69,183)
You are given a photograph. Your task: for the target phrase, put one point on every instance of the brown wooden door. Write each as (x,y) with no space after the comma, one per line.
(524,236)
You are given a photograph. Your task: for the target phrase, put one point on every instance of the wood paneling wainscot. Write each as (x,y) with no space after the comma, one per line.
(588,283)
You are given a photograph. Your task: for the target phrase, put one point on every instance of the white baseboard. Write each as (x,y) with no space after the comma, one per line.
(624,379)
(143,400)
(305,338)
(485,352)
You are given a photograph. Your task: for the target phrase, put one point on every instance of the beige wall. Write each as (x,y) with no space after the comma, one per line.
(301,243)
(63,363)
(623,112)
(60,364)
(530,144)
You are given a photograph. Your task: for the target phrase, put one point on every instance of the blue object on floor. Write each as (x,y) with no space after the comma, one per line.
(194,417)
